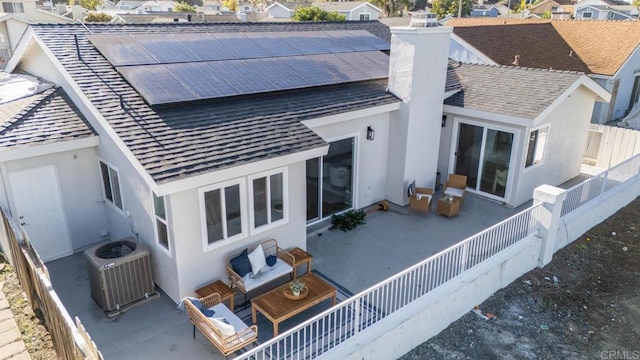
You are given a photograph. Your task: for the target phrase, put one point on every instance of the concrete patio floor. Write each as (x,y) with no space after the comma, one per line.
(388,243)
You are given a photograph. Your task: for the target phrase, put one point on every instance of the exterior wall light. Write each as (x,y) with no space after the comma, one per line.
(371,134)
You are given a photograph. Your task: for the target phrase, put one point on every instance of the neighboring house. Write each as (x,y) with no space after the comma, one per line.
(156,6)
(199,169)
(352,10)
(506,129)
(559,10)
(606,12)
(608,51)
(481,10)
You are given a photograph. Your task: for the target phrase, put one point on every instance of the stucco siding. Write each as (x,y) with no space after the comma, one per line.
(279,12)
(371,156)
(626,74)
(80,189)
(366,9)
(198,267)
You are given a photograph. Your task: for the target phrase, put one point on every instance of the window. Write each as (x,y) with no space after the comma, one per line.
(221,207)
(536,147)
(162,229)
(365,17)
(268,199)
(111,183)
(10,7)
(612,15)
(587,15)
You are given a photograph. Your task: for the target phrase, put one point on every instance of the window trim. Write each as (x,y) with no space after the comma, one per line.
(242,184)
(104,194)
(159,245)
(544,151)
(584,13)
(364,13)
(285,199)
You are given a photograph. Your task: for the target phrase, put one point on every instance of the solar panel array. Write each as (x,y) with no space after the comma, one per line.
(170,68)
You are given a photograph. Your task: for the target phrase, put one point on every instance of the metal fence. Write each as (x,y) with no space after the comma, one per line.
(70,339)
(590,189)
(345,320)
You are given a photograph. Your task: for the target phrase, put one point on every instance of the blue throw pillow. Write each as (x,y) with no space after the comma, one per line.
(241,264)
(204,310)
(271,260)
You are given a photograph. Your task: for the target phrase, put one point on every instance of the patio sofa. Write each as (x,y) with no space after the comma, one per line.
(284,265)
(226,339)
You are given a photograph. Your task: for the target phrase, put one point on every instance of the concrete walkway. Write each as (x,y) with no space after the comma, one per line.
(11,344)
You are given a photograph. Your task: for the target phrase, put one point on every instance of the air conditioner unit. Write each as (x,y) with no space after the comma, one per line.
(119,273)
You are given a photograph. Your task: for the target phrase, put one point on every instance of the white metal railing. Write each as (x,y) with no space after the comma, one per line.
(332,327)
(590,189)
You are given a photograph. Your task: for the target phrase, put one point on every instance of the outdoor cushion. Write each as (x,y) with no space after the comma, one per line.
(267,274)
(241,264)
(222,311)
(225,329)
(256,257)
(271,260)
(454,191)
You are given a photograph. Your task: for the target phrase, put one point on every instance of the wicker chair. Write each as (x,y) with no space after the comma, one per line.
(456,186)
(244,336)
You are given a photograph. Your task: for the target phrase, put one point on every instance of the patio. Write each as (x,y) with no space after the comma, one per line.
(388,243)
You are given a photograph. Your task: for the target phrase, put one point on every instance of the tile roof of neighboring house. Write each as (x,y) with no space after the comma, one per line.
(598,47)
(39,119)
(178,141)
(521,92)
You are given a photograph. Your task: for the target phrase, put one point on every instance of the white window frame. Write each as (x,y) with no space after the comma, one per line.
(242,184)
(285,200)
(584,14)
(611,15)
(104,194)
(156,218)
(544,149)
(361,15)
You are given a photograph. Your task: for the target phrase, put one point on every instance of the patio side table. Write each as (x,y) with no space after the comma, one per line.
(448,208)
(301,257)
(217,287)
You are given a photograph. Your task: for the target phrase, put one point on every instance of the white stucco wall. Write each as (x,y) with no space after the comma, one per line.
(15,29)
(80,189)
(366,9)
(626,74)
(371,155)
(137,217)
(197,267)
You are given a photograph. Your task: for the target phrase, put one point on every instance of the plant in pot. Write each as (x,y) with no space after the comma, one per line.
(348,220)
(296,287)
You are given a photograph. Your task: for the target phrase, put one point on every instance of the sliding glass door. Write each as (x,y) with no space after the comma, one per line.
(330,181)
(484,156)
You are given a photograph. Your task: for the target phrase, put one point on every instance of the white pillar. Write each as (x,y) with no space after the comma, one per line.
(548,219)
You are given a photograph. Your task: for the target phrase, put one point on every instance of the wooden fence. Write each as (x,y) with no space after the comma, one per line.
(70,339)
(607,146)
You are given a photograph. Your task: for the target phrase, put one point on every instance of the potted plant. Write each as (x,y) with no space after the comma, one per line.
(296,287)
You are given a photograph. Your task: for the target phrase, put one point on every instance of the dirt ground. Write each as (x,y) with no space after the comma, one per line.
(585,304)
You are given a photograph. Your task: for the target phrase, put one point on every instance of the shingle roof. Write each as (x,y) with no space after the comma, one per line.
(40,119)
(598,47)
(521,92)
(174,142)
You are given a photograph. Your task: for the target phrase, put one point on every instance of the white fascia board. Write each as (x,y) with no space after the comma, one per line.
(485,115)
(21,49)
(599,76)
(109,131)
(47,149)
(472,49)
(276,4)
(367,4)
(235,172)
(449,94)
(351,115)
(584,80)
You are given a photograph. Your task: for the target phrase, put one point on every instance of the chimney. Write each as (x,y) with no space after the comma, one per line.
(417,75)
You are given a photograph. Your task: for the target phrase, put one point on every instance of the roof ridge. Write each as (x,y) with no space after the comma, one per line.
(524,68)
(39,99)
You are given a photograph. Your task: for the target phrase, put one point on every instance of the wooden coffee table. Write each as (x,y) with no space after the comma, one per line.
(448,208)
(277,308)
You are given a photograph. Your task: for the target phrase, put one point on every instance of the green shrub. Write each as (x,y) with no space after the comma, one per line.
(348,220)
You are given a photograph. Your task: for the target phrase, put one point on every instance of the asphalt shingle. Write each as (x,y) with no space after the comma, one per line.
(178,141)
(44,118)
(521,92)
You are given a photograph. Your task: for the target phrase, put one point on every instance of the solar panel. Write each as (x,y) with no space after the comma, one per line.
(156,84)
(357,37)
(279,74)
(241,46)
(303,43)
(309,70)
(367,66)
(122,49)
(242,76)
(273,44)
(377,57)
(205,47)
(202,80)
(166,48)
